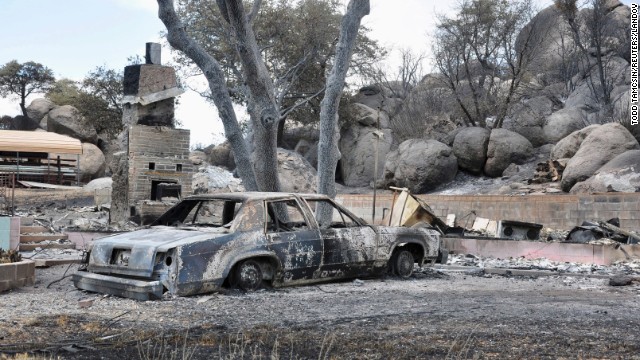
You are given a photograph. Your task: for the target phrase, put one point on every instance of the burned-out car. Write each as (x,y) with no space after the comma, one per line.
(248,240)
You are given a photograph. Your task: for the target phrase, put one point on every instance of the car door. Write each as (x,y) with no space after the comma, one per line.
(294,239)
(349,247)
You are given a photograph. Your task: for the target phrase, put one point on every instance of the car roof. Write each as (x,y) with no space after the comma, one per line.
(255,195)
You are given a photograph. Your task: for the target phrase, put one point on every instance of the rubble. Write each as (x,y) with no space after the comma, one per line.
(631,267)
(548,171)
(623,280)
(602,232)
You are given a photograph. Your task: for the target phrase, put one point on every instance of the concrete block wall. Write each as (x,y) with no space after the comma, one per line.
(561,212)
(159,141)
(15,275)
(167,149)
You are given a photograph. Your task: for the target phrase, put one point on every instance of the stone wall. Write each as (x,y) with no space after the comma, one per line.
(158,154)
(554,211)
(15,275)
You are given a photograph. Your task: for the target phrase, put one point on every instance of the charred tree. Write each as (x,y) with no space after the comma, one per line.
(328,152)
(178,38)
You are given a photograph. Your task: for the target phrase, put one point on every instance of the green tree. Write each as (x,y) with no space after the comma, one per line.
(297,40)
(24,79)
(258,87)
(97,97)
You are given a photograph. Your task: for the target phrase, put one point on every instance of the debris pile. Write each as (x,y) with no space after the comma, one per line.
(548,171)
(550,234)
(602,232)
(630,268)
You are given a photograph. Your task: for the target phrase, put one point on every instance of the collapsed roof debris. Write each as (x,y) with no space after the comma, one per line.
(591,231)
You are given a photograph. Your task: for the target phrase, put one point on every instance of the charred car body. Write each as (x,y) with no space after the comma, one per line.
(246,240)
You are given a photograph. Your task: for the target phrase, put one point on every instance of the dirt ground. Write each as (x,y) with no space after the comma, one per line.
(435,314)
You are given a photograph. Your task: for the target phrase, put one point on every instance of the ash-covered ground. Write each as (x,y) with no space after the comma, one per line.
(437,313)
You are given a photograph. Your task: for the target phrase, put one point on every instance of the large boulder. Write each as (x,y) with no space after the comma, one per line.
(358,148)
(550,32)
(92,162)
(295,173)
(420,165)
(39,108)
(293,134)
(197,157)
(506,147)
(309,151)
(616,72)
(527,118)
(621,110)
(569,146)
(562,123)
(621,174)
(470,148)
(67,120)
(384,97)
(99,184)
(212,179)
(221,155)
(370,117)
(599,147)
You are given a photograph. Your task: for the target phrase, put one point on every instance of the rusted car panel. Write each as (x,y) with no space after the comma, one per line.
(246,239)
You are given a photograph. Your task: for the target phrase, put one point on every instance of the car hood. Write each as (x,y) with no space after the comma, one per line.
(145,244)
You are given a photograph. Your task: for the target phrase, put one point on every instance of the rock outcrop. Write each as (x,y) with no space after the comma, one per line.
(506,147)
(39,108)
(212,179)
(621,174)
(221,155)
(470,148)
(568,146)
(599,147)
(92,162)
(67,120)
(358,149)
(527,118)
(562,123)
(420,165)
(295,173)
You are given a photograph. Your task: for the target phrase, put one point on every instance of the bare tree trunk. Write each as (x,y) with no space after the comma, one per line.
(328,153)
(178,38)
(263,110)
(23,106)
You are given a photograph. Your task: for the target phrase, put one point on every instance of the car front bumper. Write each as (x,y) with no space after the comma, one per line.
(123,287)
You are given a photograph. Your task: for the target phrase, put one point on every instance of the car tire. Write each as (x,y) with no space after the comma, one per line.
(247,275)
(402,263)
(443,256)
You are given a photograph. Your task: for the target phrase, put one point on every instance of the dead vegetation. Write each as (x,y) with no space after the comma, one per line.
(9,256)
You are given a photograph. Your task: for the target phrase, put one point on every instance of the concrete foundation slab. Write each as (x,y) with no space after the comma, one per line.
(562,252)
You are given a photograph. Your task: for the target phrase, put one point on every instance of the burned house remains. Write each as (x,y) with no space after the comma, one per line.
(154,164)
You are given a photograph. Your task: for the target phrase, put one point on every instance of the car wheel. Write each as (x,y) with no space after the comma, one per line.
(248,275)
(402,263)
(443,256)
